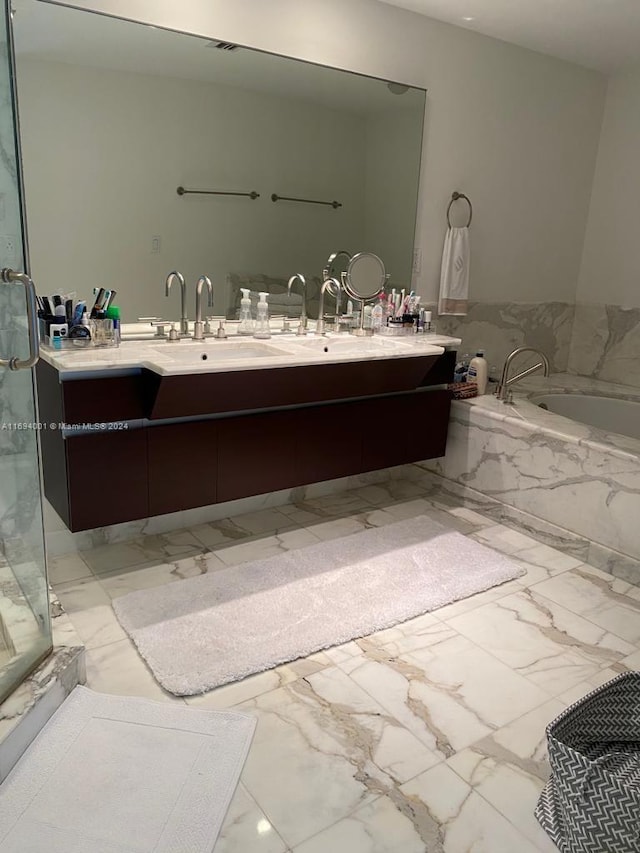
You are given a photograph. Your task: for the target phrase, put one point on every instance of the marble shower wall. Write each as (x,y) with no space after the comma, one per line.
(500,327)
(605,343)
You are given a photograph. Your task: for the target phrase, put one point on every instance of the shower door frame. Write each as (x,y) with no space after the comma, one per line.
(11,123)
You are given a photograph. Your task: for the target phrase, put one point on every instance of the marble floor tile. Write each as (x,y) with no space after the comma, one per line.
(107,559)
(233,694)
(117,668)
(553,647)
(118,584)
(323,747)
(268,546)
(68,567)
(611,603)
(81,594)
(448,693)
(504,539)
(508,788)
(246,828)
(338,527)
(459,820)
(378,827)
(427,736)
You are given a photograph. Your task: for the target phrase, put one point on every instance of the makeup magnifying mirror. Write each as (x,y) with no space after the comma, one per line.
(364,280)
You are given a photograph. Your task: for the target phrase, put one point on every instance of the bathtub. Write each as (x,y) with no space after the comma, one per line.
(610,414)
(563,460)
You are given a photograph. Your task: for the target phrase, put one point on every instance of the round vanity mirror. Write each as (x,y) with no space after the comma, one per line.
(365,276)
(364,280)
(337,264)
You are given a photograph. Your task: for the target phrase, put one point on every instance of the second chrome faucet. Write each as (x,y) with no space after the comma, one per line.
(203,281)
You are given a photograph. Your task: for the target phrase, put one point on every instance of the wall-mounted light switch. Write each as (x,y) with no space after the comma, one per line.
(156,244)
(417,261)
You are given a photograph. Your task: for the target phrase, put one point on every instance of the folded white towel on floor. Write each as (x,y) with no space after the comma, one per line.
(454,274)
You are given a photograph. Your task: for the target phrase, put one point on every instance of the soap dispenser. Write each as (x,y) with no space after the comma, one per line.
(246,326)
(262,320)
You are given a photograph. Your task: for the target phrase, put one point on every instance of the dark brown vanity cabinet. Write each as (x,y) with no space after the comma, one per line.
(139,445)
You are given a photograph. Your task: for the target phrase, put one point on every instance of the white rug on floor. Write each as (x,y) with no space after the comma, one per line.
(199,633)
(111,774)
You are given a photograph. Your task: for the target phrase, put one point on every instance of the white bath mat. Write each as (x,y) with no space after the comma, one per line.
(111,774)
(219,627)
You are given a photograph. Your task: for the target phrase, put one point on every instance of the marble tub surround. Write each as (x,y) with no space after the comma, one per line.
(499,327)
(605,343)
(565,473)
(425,736)
(28,708)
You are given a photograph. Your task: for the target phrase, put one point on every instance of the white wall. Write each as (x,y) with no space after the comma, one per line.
(610,269)
(515,130)
(88,228)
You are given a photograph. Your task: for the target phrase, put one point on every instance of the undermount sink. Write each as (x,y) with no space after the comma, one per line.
(217,351)
(350,345)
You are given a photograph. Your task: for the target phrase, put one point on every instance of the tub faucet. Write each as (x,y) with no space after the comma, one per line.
(335,289)
(302,328)
(502,392)
(184,320)
(198,327)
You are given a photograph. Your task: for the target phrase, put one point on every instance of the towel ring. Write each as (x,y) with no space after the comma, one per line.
(455,197)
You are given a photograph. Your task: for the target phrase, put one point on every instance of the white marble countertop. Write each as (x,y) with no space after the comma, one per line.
(241,353)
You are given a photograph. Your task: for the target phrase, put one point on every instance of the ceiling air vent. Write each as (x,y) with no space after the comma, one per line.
(223,45)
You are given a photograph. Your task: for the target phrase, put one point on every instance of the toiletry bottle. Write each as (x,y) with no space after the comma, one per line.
(262,320)
(377,313)
(246,326)
(478,371)
(113,314)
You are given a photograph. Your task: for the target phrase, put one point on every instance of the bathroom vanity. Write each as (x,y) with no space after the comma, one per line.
(152,428)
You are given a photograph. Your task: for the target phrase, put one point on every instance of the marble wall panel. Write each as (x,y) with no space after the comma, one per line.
(500,327)
(605,343)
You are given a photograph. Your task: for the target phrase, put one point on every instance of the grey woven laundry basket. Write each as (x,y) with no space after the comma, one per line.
(591,803)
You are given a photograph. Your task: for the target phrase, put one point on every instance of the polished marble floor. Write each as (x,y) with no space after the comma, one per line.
(426,737)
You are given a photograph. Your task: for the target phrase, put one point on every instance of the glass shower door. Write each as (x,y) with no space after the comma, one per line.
(25,629)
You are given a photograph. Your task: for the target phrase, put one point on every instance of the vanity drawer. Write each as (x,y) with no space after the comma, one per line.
(183,466)
(107,478)
(405,428)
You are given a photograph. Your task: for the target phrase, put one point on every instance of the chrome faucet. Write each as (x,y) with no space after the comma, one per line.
(198,327)
(502,392)
(302,328)
(184,320)
(335,289)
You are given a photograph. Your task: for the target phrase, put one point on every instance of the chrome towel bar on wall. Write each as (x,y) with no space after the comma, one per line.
(334,204)
(182,191)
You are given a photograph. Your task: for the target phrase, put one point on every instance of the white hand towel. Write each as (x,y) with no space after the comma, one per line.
(454,275)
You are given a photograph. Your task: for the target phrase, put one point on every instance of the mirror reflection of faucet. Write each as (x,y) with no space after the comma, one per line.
(302,328)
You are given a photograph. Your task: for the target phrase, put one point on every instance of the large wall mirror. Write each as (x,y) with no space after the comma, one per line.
(116,116)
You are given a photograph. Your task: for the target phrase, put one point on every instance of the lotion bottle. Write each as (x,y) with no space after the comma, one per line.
(262,320)
(246,325)
(478,371)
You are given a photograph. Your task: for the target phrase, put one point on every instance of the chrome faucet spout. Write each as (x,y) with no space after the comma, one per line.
(198,328)
(184,320)
(302,328)
(506,380)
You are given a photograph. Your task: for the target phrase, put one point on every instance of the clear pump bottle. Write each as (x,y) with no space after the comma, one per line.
(262,320)
(246,325)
